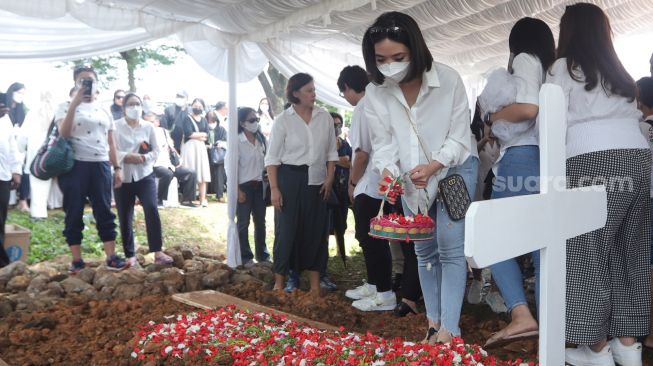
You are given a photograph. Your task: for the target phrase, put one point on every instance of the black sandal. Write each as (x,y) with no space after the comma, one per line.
(430,333)
(402,309)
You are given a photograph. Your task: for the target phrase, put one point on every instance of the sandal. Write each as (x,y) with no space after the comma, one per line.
(429,334)
(498,339)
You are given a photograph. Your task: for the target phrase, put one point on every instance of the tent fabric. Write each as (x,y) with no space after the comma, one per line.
(234,39)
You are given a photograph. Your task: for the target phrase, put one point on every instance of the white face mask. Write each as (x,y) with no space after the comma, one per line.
(180,102)
(395,71)
(134,112)
(18,98)
(251,127)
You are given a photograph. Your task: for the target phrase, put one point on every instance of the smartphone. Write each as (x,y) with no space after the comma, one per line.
(144,148)
(3,99)
(87,85)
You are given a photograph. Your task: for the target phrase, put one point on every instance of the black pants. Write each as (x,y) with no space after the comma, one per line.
(410,287)
(4,203)
(218,180)
(376,252)
(254,207)
(145,190)
(24,188)
(186,178)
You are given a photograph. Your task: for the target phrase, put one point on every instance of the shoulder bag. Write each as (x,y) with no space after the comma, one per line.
(54,158)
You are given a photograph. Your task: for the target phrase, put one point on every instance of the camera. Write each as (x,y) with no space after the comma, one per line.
(87,85)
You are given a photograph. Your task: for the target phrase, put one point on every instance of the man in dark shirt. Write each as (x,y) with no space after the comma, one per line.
(173,116)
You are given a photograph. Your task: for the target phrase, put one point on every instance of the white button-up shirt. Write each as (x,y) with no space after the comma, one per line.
(251,159)
(128,140)
(361,140)
(442,118)
(295,142)
(9,155)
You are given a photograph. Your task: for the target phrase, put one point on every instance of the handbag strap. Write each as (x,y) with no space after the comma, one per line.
(423,147)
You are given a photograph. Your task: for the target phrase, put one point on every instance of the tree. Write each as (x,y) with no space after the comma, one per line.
(134,59)
(274,86)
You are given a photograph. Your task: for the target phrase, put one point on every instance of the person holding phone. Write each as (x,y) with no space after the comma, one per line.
(138,150)
(90,130)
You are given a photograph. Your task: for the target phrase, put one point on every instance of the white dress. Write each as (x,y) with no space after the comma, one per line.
(195,156)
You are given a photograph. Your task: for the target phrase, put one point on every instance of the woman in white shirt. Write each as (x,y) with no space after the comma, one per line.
(251,194)
(137,151)
(418,113)
(517,170)
(608,270)
(301,164)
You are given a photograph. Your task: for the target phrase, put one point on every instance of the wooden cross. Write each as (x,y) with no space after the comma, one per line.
(497,230)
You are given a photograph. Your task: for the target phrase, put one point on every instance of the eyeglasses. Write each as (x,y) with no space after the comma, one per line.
(120,96)
(341,94)
(253,120)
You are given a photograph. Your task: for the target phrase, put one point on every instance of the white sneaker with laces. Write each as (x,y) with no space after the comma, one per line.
(361,292)
(475,292)
(584,356)
(626,355)
(376,303)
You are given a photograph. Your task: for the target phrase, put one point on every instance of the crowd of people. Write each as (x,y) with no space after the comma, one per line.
(411,118)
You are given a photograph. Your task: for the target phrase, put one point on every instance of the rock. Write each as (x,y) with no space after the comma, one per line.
(142,250)
(73,285)
(12,270)
(47,269)
(104,278)
(38,283)
(178,258)
(155,288)
(131,276)
(240,278)
(173,280)
(128,291)
(87,275)
(42,323)
(215,279)
(105,294)
(55,289)
(193,266)
(59,277)
(262,272)
(187,253)
(7,306)
(19,283)
(193,281)
(89,293)
(211,255)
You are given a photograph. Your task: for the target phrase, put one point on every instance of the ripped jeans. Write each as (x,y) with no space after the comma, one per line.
(441,261)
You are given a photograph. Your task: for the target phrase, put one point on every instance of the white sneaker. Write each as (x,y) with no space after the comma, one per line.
(626,355)
(376,303)
(584,356)
(475,292)
(361,292)
(496,302)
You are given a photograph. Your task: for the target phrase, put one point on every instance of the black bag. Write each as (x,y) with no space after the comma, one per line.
(54,158)
(175,160)
(454,194)
(217,155)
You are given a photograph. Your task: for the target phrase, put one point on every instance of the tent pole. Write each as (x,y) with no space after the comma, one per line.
(233,245)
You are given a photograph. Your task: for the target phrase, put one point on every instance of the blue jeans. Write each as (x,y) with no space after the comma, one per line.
(518,174)
(441,261)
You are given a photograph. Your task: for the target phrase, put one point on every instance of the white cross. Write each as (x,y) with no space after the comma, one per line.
(501,229)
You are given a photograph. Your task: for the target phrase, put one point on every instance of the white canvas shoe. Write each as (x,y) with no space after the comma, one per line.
(584,356)
(376,303)
(361,292)
(626,355)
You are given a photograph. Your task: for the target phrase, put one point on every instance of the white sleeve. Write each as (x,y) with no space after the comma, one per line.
(60,114)
(332,149)
(559,75)
(528,75)
(277,139)
(458,140)
(385,147)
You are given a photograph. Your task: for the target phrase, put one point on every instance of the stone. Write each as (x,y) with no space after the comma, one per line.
(87,275)
(215,279)
(59,277)
(105,294)
(128,291)
(178,259)
(211,255)
(38,283)
(193,266)
(173,280)
(262,272)
(155,288)
(12,270)
(193,281)
(19,283)
(241,278)
(105,277)
(73,285)
(131,276)
(55,289)
(7,306)
(47,269)
(187,253)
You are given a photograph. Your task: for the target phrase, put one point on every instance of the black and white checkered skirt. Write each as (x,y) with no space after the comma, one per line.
(608,270)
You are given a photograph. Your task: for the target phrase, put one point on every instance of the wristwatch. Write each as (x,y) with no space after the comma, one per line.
(117,168)
(487,120)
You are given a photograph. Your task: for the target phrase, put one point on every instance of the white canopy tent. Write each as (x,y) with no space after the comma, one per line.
(235,39)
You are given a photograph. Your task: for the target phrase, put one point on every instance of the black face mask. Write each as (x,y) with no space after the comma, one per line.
(197,111)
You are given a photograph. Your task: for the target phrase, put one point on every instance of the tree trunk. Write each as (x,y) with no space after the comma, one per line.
(130,59)
(275,91)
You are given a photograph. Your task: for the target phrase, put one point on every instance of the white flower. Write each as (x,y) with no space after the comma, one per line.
(168,349)
(181,346)
(457,358)
(302,363)
(134,355)
(378,363)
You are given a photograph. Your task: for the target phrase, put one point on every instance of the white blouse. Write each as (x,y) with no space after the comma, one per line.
(250,159)
(596,120)
(442,118)
(9,156)
(89,136)
(129,140)
(361,139)
(295,142)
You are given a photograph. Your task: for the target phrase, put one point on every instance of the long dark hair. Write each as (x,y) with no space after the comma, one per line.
(586,41)
(17,112)
(295,83)
(260,112)
(401,28)
(533,36)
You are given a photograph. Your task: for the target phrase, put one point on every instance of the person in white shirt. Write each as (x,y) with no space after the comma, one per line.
(10,173)
(608,270)
(251,194)
(645,105)
(517,170)
(363,180)
(418,113)
(137,151)
(301,164)
(89,129)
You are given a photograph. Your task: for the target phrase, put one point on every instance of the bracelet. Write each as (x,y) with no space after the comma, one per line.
(117,168)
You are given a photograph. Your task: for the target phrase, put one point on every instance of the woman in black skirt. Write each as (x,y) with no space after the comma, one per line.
(608,270)
(301,164)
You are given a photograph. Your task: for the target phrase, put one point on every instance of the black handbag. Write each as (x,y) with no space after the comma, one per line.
(454,194)
(174,157)
(217,155)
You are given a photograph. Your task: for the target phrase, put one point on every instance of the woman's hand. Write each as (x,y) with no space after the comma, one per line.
(421,174)
(384,184)
(134,159)
(242,197)
(325,190)
(117,178)
(276,198)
